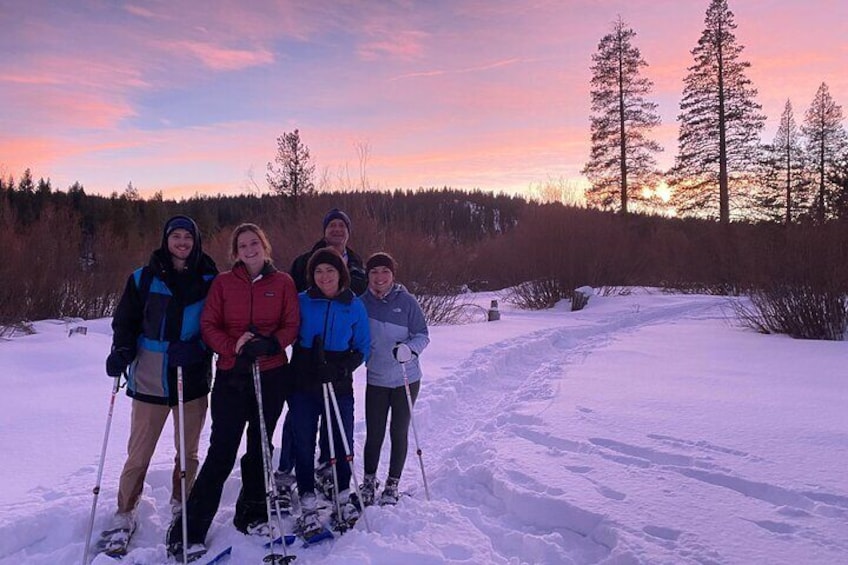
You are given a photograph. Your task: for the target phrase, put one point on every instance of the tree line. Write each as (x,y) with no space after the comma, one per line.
(721,170)
(68,254)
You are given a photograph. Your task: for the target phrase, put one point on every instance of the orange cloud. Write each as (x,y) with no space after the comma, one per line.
(189,190)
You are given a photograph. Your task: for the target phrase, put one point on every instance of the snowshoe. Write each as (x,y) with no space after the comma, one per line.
(368,489)
(351,510)
(223,554)
(258,529)
(391,494)
(193,552)
(310,529)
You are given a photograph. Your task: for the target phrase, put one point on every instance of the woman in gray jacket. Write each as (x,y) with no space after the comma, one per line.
(398,335)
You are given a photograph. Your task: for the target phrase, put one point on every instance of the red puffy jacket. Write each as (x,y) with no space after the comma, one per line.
(235,304)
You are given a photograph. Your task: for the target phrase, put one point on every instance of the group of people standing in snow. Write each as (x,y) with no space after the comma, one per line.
(335,311)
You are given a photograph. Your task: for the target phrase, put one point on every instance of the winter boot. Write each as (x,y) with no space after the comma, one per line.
(368,489)
(114,541)
(391,494)
(324,480)
(249,513)
(284,483)
(308,525)
(174,543)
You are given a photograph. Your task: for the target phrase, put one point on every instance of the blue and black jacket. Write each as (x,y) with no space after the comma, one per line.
(160,310)
(344,339)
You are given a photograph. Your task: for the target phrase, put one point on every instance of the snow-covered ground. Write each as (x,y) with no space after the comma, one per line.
(647,428)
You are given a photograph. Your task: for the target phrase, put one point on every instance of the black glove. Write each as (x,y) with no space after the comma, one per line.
(343,374)
(261,346)
(185,353)
(118,360)
(351,359)
(327,372)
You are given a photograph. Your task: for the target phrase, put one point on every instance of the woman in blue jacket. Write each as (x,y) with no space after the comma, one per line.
(334,339)
(398,335)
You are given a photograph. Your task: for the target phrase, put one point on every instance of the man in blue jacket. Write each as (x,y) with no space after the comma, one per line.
(156,328)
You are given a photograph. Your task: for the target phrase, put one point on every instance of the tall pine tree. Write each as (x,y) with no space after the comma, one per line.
(622,162)
(720,122)
(826,140)
(784,185)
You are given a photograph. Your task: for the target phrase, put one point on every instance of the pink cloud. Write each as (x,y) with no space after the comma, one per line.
(395,45)
(28,152)
(65,109)
(222,58)
(460,71)
(143,12)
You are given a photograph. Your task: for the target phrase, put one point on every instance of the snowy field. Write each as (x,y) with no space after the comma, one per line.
(647,428)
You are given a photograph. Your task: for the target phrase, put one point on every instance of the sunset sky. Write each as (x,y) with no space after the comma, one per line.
(189,96)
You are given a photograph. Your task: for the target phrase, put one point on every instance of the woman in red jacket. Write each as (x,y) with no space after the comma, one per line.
(251,314)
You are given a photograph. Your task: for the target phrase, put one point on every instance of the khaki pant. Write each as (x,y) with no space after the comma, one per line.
(146,426)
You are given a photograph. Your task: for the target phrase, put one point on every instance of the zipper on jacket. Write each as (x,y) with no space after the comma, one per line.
(326,319)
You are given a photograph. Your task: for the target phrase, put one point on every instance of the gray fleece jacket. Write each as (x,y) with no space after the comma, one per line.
(395,318)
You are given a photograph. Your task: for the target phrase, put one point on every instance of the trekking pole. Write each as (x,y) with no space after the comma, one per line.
(96,490)
(414,430)
(270,488)
(348,451)
(181,429)
(328,420)
(321,361)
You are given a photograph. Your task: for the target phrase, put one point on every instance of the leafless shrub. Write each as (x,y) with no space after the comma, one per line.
(713,289)
(536,294)
(608,290)
(442,304)
(469,313)
(85,297)
(799,311)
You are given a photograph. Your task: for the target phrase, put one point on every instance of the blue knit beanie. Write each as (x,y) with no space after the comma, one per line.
(186,223)
(335,214)
(181,222)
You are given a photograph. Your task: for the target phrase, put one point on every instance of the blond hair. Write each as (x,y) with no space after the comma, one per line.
(266,245)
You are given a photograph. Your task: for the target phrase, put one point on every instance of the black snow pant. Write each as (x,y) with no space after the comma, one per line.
(233,408)
(378,401)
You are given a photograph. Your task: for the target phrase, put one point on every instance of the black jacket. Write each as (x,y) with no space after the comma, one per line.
(355,265)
